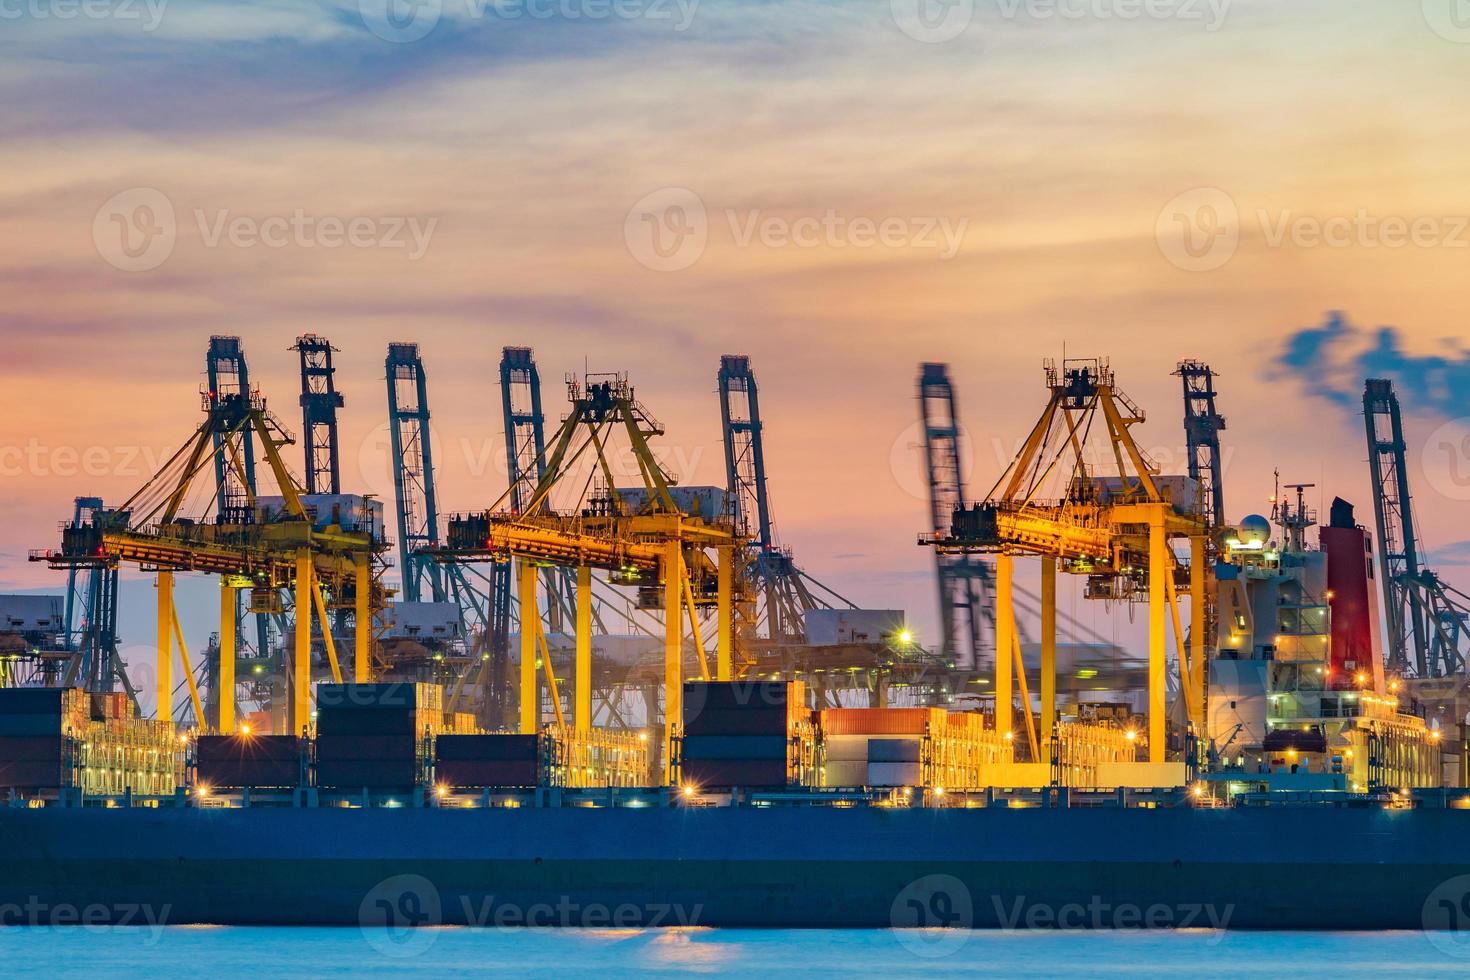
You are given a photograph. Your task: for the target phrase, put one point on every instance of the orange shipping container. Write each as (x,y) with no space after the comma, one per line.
(881,721)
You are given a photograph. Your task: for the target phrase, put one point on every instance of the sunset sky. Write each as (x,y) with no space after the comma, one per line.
(840,190)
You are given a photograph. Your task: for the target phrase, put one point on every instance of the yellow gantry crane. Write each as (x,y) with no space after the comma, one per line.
(1114,529)
(328,559)
(641,538)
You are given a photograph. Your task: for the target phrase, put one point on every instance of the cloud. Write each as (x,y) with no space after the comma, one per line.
(1333,360)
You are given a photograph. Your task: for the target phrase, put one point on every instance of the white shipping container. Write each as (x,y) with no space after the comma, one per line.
(706,503)
(846,773)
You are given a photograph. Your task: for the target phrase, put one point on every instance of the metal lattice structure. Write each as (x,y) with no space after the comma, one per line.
(1202,427)
(966,615)
(413,474)
(787,593)
(319,403)
(1428,621)
(90,624)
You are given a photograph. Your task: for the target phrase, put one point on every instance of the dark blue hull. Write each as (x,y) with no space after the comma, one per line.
(1257,868)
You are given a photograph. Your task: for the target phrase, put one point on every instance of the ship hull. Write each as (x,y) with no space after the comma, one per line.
(1268,868)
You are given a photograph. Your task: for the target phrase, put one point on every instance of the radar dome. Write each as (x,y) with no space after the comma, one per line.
(1255,531)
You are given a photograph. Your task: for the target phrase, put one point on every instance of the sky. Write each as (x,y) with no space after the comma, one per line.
(840,190)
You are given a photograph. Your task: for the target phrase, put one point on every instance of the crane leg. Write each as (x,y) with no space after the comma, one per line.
(530,622)
(1158,608)
(1005,627)
(1048,649)
(301,661)
(225,697)
(165,645)
(583,683)
(673,649)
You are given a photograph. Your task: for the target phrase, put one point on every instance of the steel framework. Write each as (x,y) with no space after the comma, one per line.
(787,593)
(1428,620)
(965,581)
(319,403)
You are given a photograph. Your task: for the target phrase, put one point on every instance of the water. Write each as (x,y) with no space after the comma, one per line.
(221,952)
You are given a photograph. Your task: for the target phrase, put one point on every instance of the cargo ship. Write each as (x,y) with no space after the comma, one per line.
(381,822)
(1289,785)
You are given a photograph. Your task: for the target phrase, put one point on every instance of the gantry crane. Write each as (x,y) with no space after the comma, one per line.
(965,580)
(788,593)
(319,403)
(647,543)
(417,498)
(1114,529)
(228,375)
(1203,424)
(413,474)
(1428,620)
(262,544)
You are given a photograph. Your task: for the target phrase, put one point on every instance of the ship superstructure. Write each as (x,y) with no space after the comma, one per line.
(1298,696)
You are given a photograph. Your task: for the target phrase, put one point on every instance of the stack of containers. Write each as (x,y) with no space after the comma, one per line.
(962,750)
(248,761)
(746,733)
(596,757)
(460,723)
(877,746)
(139,755)
(375,736)
(34,723)
(487,761)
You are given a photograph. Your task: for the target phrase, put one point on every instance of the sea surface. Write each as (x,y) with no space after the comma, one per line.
(220,952)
